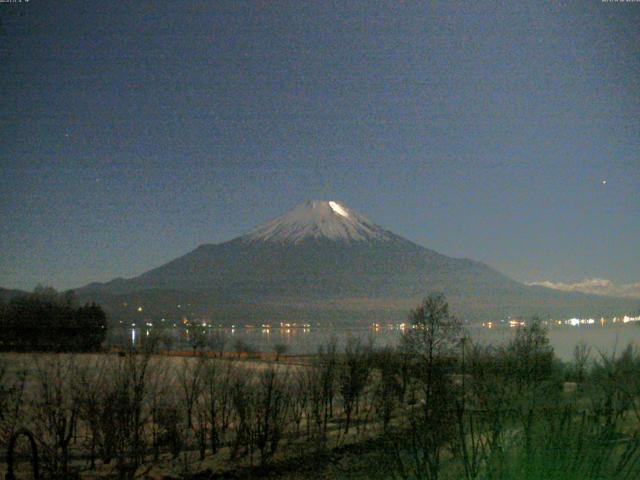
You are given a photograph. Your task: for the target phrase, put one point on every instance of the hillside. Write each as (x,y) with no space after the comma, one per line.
(322,261)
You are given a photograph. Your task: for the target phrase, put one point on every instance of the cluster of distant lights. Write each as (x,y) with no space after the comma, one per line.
(573,322)
(392,326)
(514,323)
(266,327)
(287,327)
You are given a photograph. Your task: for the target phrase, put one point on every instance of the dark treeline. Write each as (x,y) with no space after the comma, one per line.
(46,320)
(436,407)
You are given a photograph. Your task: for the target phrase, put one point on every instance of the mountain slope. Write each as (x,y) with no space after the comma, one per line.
(325,261)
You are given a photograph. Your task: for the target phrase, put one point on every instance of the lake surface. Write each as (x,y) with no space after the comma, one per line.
(605,339)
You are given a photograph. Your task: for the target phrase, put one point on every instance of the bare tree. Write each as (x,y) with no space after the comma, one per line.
(430,343)
(271,409)
(482,408)
(12,393)
(280,349)
(243,396)
(92,377)
(189,376)
(241,346)
(126,412)
(197,339)
(160,388)
(321,384)
(434,331)
(168,418)
(217,341)
(388,388)
(353,376)
(530,354)
(581,354)
(299,399)
(215,404)
(56,409)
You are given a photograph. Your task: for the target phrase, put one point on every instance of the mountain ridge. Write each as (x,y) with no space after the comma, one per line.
(324,260)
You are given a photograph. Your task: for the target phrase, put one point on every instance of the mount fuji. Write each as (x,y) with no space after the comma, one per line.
(324,262)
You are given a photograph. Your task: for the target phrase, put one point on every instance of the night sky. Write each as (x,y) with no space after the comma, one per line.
(132,132)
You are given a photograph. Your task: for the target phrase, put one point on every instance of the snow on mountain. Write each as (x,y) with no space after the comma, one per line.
(324,262)
(319,219)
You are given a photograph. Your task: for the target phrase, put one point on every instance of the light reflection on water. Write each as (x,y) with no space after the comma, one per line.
(603,339)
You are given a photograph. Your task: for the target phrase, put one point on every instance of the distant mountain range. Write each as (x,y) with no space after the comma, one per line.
(323,262)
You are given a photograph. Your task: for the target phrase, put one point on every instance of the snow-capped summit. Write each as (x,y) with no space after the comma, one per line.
(319,219)
(324,262)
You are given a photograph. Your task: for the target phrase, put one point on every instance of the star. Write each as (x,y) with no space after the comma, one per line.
(604,182)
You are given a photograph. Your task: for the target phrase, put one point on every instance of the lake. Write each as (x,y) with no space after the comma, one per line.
(606,339)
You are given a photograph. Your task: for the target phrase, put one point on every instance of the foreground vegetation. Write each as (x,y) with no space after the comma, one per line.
(436,407)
